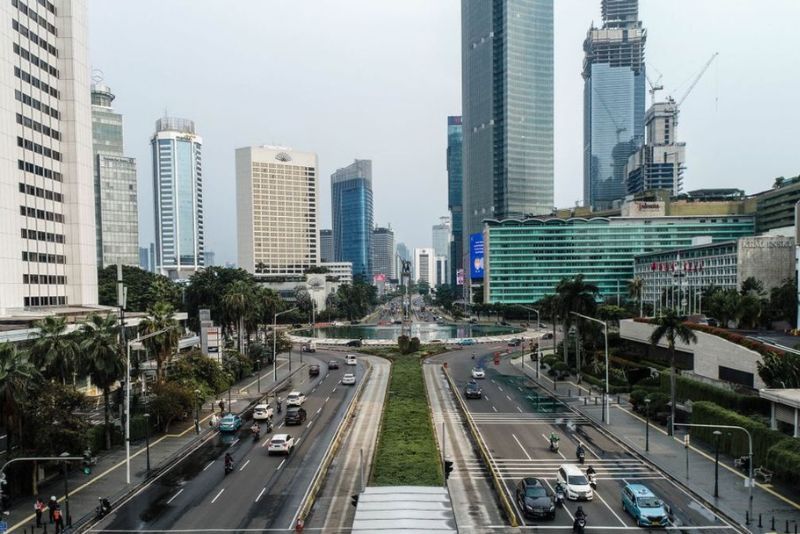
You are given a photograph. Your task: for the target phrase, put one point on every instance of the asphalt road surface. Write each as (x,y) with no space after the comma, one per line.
(263,492)
(515,420)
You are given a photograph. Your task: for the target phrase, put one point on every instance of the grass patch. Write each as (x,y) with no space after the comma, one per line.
(407,453)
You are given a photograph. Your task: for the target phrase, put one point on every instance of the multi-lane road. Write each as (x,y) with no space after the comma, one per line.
(514,420)
(262,492)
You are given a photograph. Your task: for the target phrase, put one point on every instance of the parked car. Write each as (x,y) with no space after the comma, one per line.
(280,444)
(349,379)
(467,341)
(230,423)
(535,499)
(313,370)
(295,415)
(295,398)
(477,372)
(354,343)
(473,391)
(262,412)
(350,359)
(645,508)
(333,364)
(516,342)
(576,485)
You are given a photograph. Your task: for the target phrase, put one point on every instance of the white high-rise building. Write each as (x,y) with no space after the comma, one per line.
(277,210)
(425,265)
(441,270)
(47,214)
(178,197)
(441,234)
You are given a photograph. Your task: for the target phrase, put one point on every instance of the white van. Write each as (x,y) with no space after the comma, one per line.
(575,483)
(350,359)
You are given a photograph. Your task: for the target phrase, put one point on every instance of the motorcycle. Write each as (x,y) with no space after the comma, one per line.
(554,445)
(579,525)
(256,433)
(560,497)
(103,507)
(593,480)
(581,456)
(228,466)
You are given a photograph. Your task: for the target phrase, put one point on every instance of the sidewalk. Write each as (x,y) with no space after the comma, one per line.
(108,476)
(670,455)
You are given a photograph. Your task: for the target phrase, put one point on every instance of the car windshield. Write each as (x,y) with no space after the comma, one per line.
(294,396)
(535,492)
(577,480)
(277,442)
(649,502)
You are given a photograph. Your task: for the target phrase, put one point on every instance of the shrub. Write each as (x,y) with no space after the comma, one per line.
(96,436)
(404,344)
(694,390)
(784,458)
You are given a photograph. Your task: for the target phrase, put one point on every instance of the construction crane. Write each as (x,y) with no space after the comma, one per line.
(691,86)
(654,86)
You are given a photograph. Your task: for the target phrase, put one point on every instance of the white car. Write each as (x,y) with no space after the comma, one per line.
(576,485)
(262,412)
(477,372)
(280,444)
(348,379)
(350,359)
(295,398)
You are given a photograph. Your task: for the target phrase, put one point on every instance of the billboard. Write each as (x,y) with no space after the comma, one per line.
(460,277)
(476,256)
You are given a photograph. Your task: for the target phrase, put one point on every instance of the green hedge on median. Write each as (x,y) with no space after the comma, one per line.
(687,389)
(407,453)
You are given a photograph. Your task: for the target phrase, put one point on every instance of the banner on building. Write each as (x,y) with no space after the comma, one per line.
(476,256)
(459,277)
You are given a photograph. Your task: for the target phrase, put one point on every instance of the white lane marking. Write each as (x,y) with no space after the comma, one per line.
(310,423)
(318,410)
(493,408)
(265,442)
(245,465)
(281,464)
(235,442)
(519,409)
(498,387)
(173,497)
(280,425)
(217,497)
(509,398)
(327,399)
(597,494)
(334,390)
(558,451)
(521,447)
(313,390)
(260,494)
(297,441)
(209,465)
(485,396)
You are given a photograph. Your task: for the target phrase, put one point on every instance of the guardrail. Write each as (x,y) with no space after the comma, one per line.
(496,481)
(322,471)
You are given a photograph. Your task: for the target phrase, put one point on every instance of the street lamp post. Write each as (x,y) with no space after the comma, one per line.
(147,440)
(197,411)
(606,416)
(275,342)
(258,363)
(66,489)
(647,426)
(538,347)
(717,434)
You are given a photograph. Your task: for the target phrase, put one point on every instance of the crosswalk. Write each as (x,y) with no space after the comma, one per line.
(627,469)
(557,418)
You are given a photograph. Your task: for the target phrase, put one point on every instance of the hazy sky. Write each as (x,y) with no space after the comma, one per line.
(376,80)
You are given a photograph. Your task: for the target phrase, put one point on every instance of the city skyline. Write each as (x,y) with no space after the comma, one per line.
(720,102)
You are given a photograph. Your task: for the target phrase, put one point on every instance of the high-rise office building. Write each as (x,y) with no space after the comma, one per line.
(178,197)
(507,96)
(277,206)
(441,270)
(115,188)
(210,258)
(440,235)
(326,254)
(47,227)
(144,258)
(613,101)
(660,162)
(351,197)
(383,252)
(455,185)
(425,266)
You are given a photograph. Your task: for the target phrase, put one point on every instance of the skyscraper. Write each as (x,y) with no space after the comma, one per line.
(659,163)
(383,252)
(455,185)
(401,253)
(326,254)
(115,188)
(440,234)
(425,266)
(47,227)
(351,197)
(178,197)
(277,206)
(507,95)
(613,101)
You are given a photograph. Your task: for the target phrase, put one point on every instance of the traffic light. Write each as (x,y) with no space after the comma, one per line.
(354,499)
(87,462)
(448,468)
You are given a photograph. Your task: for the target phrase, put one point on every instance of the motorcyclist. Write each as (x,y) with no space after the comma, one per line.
(278,402)
(579,514)
(228,460)
(473,355)
(255,429)
(580,451)
(590,470)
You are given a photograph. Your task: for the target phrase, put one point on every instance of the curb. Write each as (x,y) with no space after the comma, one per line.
(496,482)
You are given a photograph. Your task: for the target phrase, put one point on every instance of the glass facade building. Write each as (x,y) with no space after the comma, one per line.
(326,246)
(115,187)
(178,197)
(527,258)
(613,101)
(351,198)
(383,252)
(455,197)
(507,96)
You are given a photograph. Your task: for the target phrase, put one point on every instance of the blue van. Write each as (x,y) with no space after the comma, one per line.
(647,509)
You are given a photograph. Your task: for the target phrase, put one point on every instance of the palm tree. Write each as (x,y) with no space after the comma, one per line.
(160,319)
(16,374)
(53,349)
(102,358)
(671,326)
(636,291)
(237,303)
(268,304)
(575,295)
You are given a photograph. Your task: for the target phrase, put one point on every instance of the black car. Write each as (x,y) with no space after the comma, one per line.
(333,364)
(313,370)
(295,415)
(354,343)
(535,499)
(473,391)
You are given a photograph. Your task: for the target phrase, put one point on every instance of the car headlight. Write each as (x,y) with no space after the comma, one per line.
(529,507)
(552,507)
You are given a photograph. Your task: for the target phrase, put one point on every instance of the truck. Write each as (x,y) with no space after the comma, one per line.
(310,347)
